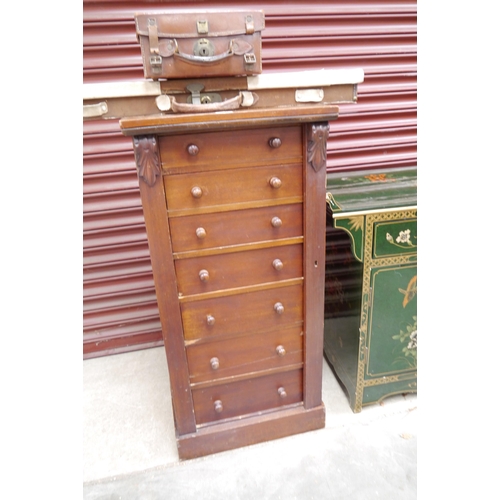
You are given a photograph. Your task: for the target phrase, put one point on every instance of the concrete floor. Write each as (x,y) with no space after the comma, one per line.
(129,449)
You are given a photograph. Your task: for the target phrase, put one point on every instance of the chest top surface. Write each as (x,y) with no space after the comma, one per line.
(371,190)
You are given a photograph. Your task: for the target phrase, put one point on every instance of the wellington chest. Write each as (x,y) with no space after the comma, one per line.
(234,210)
(232,175)
(370,335)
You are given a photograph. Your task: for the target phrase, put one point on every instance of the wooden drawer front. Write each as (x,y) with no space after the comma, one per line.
(196,232)
(230,148)
(394,238)
(244,354)
(229,400)
(207,190)
(238,269)
(241,313)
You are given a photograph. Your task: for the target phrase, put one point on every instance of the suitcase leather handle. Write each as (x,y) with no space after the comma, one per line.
(204,59)
(243,99)
(236,47)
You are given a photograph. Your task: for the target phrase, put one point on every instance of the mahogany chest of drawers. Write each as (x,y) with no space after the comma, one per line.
(234,210)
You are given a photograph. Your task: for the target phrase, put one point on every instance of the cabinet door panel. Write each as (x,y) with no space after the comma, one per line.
(392,328)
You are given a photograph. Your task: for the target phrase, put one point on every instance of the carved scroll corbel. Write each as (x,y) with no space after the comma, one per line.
(147,158)
(317,137)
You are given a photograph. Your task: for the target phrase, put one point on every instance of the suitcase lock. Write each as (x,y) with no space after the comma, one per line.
(204,48)
(197,97)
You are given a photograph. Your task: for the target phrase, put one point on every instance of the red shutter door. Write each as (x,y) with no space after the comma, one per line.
(380,131)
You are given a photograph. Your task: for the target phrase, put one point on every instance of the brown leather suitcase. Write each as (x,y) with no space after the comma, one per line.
(201,44)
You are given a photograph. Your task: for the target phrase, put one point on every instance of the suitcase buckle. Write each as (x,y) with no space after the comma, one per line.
(249,58)
(155,62)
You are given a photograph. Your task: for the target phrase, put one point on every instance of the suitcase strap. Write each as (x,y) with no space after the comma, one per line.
(153,36)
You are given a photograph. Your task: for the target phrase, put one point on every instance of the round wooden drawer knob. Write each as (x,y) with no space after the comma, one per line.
(218,406)
(275,142)
(282,392)
(196,192)
(203,274)
(280,350)
(278,307)
(277,264)
(214,363)
(276,222)
(275,182)
(210,320)
(201,233)
(193,149)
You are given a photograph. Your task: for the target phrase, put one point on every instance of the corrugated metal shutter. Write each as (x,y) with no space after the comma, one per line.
(120,311)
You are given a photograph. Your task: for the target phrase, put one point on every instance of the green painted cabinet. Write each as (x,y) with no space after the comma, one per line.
(371,283)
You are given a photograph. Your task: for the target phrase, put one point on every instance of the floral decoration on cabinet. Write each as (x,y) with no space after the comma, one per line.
(402,241)
(408,336)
